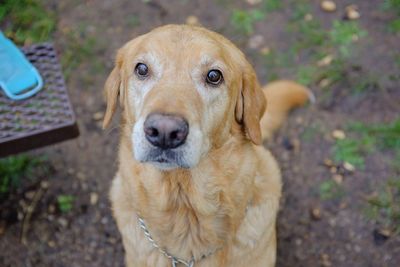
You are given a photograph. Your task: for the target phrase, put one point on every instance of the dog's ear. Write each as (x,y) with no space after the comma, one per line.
(250,105)
(112,90)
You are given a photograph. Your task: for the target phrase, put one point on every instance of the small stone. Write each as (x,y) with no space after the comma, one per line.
(256,41)
(112,240)
(104,220)
(328,6)
(315,214)
(253,2)
(63,222)
(324,83)
(308,17)
(338,178)
(333,169)
(338,134)
(51,244)
(348,167)
(385,232)
(326,262)
(44,184)
(51,208)
(355,38)
(352,12)
(299,120)
(328,163)
(265,51)
(94,198)
(81,176)
(30,194)
(70,171)
(98,116)
(193,20)
(327,60)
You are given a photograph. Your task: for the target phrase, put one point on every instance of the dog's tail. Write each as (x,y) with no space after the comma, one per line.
(282,96)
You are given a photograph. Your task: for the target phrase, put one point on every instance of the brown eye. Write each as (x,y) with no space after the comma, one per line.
(214,77)
(142,70)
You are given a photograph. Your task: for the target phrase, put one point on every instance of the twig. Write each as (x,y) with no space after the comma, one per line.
(31,208)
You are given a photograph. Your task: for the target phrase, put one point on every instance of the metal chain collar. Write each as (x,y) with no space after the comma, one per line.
(174,260)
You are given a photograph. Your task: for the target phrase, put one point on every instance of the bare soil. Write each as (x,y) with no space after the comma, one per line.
(87,235)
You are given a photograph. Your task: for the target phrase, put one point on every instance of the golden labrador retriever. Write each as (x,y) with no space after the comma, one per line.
(194,186)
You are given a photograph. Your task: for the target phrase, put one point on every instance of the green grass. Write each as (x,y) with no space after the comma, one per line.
(81,48)
(310,42)
(15,168)
(384,207)
(243,20)
(272,5)
(343,34)
(366,139)
(311,132)
(133,21)
(26,21)
(393,6)
(65,203)
(330,190)
(352,151)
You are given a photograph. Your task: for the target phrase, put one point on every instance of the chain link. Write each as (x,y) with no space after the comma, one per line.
(175,261)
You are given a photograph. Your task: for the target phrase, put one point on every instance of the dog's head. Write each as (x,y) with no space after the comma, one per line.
(183,89)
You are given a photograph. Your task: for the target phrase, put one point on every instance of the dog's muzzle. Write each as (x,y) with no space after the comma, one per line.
(165,131)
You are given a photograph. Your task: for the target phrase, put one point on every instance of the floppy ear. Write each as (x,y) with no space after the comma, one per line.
(250,105)
(112,90)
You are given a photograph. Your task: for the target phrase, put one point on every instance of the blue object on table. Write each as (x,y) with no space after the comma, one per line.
(19,79)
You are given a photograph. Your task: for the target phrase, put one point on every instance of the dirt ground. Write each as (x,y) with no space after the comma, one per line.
(313,230)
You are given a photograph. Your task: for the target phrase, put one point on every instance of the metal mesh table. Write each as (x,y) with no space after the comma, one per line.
(45,118)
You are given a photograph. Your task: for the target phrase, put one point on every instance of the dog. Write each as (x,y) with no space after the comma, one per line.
(195,186)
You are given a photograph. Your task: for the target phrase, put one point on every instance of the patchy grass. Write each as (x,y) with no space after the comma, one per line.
(243,20)
(330,190)
(65,203)
(393,6)
(384,206)
(15,168)
(352,151)
(133,21)
(272,5)
(311,132)
(26,21)
(81,48)
(367,139)
(343,34)
(311,42)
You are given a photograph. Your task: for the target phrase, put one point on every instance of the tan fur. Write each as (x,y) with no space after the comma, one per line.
(282,97)
(228,202)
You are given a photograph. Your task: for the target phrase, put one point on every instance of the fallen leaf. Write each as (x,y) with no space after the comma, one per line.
(338,179)
(315,214)
(328,6)
(348,166)
(256,41)
(193,20)
(338,134)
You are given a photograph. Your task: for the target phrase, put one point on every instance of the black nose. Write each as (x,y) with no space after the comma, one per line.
(166,131)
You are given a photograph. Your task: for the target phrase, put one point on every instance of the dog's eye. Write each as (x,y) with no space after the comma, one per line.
(214,77)
(142,71)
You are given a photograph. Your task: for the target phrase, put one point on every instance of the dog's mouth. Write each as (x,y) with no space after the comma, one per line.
(166,159)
